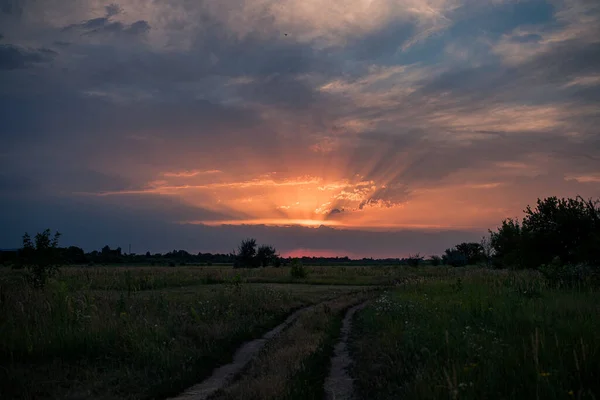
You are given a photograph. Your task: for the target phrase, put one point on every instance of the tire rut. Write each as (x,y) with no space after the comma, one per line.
(339,385)
(225,374)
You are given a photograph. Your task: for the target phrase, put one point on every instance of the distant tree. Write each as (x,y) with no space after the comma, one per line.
(266,255)
(245,256)
(472,251)
(454,258)
(41,257)
(74,255)
(414,260)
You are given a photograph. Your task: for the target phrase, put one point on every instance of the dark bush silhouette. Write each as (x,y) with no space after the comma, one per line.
(414,260)
(454,258)
(266,255)
(508,244)
(473,252)
(247,256)
(41,257)
(435,260)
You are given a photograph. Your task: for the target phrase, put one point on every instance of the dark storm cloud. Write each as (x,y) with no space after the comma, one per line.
(132,95)
(15,57)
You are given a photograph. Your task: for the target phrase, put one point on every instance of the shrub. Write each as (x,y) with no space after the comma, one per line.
(266,255)
(558,274)
(41,256)
(415,260)
(454,258)
(298,270)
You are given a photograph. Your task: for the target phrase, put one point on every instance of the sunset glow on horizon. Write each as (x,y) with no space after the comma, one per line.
(278,119)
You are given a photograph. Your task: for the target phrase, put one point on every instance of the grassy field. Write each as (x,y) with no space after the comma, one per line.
(484,335)
(140,278)
(435,332)
(75,340)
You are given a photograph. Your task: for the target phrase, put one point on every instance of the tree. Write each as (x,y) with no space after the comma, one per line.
(74,255)
(454,258)
(507,243)
(266,255)
(414,260)
(558,231)
(245,256)
(473,252)
(41,256)
(564,228)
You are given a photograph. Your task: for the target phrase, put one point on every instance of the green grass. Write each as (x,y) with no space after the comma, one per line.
(438,332)
(62,342)
(140,278)
(482,335)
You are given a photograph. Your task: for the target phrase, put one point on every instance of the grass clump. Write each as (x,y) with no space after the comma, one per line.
(297,270)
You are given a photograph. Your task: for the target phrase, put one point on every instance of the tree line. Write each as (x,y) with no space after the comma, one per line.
(560,237)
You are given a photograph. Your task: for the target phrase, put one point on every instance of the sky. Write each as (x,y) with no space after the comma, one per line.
(343,127)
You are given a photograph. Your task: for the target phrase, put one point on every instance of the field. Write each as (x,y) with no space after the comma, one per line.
(427,332)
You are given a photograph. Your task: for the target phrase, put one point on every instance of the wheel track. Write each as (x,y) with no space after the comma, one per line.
(339,385)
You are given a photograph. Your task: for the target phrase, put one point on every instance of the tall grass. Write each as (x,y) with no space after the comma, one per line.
(67,343)
(481,335)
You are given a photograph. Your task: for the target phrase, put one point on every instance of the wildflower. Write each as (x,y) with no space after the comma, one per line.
(544,374)
(123,314)
(570,393)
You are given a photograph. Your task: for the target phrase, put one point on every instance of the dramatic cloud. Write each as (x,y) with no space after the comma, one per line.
(206,121)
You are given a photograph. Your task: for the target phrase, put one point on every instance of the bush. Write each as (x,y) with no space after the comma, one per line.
(558,274)
(454,258)
(435,260)
(298,270)
(415,260)
(41,257)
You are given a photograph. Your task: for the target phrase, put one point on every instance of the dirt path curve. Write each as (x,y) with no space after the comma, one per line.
(339,384)
(225,374)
